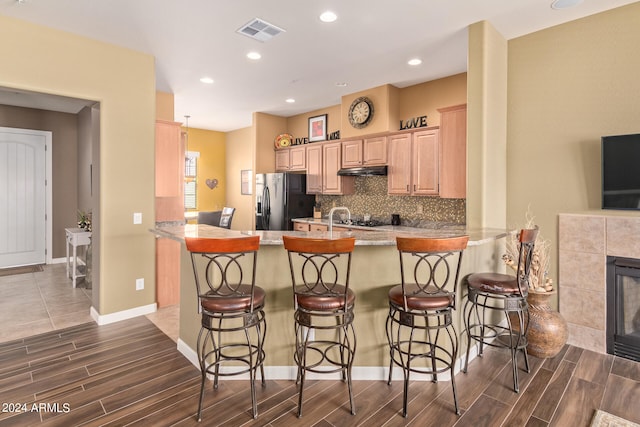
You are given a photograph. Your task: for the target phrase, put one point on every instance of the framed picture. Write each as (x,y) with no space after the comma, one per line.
(318,128)
(246,181)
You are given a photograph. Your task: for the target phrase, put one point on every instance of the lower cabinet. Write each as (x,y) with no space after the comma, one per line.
(318,227)
(167,272)
(300,226)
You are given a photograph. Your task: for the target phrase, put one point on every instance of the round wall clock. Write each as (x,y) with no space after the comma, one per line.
(361,112)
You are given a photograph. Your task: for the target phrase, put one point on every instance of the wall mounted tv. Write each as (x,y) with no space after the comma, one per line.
(621,172)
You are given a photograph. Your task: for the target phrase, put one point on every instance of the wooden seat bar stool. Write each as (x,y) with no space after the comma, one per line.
(496,310)
(323,302)
(233,320)
(420,330)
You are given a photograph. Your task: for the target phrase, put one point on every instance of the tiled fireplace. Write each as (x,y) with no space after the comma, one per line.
(585,241)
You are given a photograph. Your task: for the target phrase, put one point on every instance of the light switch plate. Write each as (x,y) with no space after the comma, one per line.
(137,218)
(139,284)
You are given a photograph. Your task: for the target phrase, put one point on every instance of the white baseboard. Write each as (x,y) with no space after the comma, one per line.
(365,373)
(58,261)
(122,315)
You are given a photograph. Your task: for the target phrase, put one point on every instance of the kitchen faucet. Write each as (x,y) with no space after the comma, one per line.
(338,208)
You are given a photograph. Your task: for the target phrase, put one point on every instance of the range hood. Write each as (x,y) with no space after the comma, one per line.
(363,171)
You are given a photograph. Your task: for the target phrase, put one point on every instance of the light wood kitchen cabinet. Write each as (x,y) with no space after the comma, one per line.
(169,159)
(314,169)
(332,183)
(167,272)
(169,203)
(300,226)
(352,153)
(374,151)
(323,163)
(318,227)
(291,159)
(453,152)
(414,163)
(367,152)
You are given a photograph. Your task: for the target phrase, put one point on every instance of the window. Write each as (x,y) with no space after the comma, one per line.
(190,175)
(190,195)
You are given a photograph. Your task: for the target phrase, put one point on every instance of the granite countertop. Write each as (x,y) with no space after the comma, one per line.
(380,237)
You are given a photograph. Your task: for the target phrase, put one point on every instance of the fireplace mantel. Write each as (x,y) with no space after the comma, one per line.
(584,242)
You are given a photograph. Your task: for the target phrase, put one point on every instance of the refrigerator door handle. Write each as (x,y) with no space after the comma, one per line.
(266,208)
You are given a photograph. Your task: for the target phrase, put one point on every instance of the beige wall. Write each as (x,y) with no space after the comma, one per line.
(123,81)
(267,127)
(568,86)
(240,155)
(486,127)
(424,99)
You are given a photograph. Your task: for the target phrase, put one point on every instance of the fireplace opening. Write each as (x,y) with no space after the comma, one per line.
(623,307)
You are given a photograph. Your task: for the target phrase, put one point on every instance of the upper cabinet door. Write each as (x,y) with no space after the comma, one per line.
(374,151)
(453,152)
(169,159)
(331,159)
(282,160)
(314,169)
(298,158)
(399,173)
(352,153)
(425,163)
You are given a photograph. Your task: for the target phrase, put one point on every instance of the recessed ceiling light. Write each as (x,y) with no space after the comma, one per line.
(328,16)
(290,100)
(564,4)
(254,55)
(341,84)
(415,61)
(207,80)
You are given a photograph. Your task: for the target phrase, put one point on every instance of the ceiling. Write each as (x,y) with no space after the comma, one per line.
(367,46)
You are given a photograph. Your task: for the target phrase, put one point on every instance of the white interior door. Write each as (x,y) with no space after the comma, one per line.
(22,196)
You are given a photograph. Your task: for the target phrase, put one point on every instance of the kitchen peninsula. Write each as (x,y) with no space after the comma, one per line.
(375,269)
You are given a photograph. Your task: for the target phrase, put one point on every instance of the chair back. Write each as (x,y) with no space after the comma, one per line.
(320,267)
(430,267)
(527,241)
(220,267)
(226,217)
(210,218)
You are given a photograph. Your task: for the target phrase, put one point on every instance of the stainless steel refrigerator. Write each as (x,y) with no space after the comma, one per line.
(281,197)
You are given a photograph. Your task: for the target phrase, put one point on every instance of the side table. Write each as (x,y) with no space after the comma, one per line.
(75,237)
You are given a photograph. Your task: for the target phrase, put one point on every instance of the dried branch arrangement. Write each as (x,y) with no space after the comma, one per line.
(539,281)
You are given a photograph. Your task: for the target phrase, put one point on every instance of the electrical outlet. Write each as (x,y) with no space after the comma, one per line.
(137,218)
(139,284)
(419,209)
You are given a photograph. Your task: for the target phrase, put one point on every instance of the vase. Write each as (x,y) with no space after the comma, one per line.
(547,332)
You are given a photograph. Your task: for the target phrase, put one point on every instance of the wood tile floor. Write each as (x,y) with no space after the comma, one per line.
(130,373)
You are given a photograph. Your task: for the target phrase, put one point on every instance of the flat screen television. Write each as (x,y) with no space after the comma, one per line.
(621,172)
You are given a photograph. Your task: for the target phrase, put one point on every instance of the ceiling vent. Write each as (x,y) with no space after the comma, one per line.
(260,30)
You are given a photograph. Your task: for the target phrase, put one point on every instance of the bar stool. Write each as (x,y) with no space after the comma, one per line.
(323,302)
(233,320)
(495,301)
(420,309)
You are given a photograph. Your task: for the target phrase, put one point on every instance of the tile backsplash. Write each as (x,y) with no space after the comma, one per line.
(371,198)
